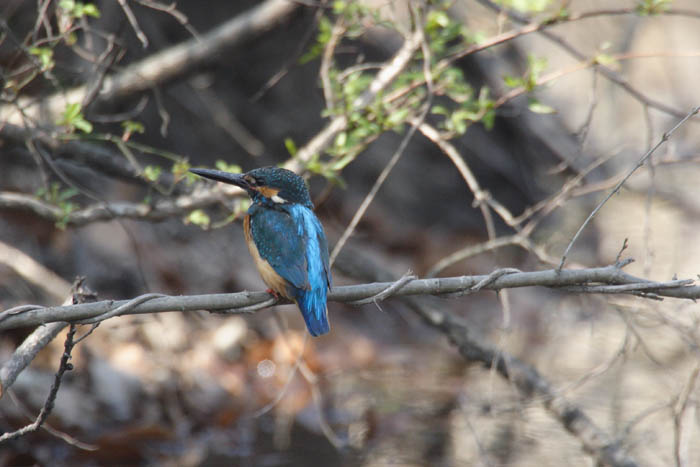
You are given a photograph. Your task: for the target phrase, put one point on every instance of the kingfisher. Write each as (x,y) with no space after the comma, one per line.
(285,238)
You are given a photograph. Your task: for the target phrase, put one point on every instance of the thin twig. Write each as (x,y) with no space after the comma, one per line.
(679,433)
(68,439)
(418,35)
(480,196)
(375,188)
(640,163)
(160,210)
(162,66)
(524,378)
(122,309)
(50,400)
(34,272)
(337,32)
(25,353)
(608,72)
(531,384)
(172,11)
(388,292)
(384,77)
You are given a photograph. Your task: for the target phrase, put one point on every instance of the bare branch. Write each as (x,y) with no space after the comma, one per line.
(26,352)
(50,400)
(530,383)
(134,23)
(640,163)
(172,11)
(32,271)
(386,75)
(337,33)
(158,211)
(241,301)
(481,197)
(525,378)
(604,70)
(418,35)
(40,338)
(48,428)
(377,185)
(162,66)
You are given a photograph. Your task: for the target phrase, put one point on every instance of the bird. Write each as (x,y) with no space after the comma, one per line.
(285,239)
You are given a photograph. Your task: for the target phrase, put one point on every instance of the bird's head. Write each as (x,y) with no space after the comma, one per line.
(266,185)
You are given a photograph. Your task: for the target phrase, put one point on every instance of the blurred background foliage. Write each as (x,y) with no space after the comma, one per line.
(547,103)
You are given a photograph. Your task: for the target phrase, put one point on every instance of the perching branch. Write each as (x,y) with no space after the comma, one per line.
(525,378)
(242,301)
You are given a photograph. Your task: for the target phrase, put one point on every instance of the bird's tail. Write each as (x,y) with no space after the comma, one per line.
(312,304)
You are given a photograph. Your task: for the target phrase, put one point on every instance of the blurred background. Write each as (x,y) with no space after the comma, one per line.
(546,122)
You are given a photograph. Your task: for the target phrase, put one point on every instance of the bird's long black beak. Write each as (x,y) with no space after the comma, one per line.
(220,176)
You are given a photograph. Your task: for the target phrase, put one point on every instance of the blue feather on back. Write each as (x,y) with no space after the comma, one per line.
(312,301)
(292,240)
(285,238)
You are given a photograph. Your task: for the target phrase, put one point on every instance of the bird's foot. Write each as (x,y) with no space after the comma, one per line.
(274,294)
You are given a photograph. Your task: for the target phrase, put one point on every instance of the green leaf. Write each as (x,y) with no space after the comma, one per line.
(652,7)
(91,10)
(485,100)
(71,112)
(198,217)
(324,34)
(397,117)
(152,173)
(68,5)
(341,163)
(440,110)
(513,82)
(291,146)
(79,9)
(339,7)
(437,19)
(605,59)
(526,6)
(83,125)
(489,119)
(45,56)
(180,169)
(539,108)
(535,68)
(342,139)
(73,119)
(131,126)
(67,194)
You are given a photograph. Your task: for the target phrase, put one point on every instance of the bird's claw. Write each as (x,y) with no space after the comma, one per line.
(274,294)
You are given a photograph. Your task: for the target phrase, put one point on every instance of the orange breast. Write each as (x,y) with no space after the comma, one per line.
(268,274)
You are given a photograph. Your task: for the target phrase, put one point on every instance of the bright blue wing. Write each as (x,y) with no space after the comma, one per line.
(292,240)
(312,301)
(275,234)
